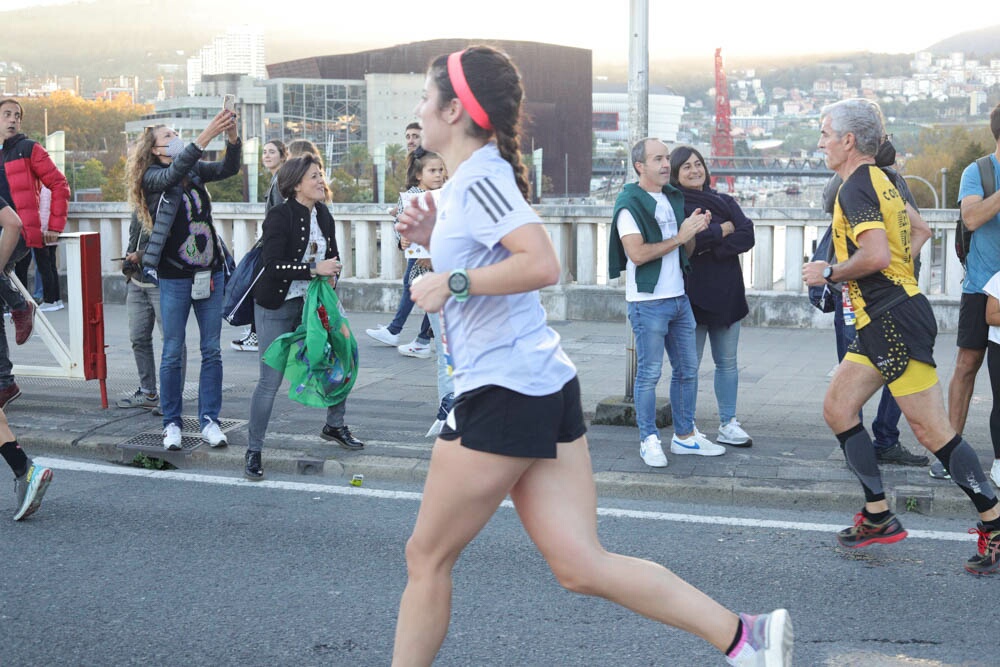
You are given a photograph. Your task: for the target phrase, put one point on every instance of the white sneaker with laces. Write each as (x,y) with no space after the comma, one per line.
(415,349)
(995,473)
(696,443)
(172,437)
(383,335)
(733,434)
(49,307)
(213,435)
(651,452)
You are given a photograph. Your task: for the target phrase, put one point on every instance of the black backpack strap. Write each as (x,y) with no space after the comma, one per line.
(987,175)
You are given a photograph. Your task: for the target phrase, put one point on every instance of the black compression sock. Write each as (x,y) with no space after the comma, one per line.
(962,462)
(15,457)
(860,455)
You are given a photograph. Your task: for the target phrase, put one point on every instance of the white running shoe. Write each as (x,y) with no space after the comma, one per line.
(767,641)
(383,335)
(213,435)
(696,443)
(415,349)
(995,473)
(49,307)
(651,452)
(733,434)
(172,437)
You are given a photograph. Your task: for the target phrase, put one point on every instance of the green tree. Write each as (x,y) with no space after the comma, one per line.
(357,163)
(113,188)
(951,147)
(231,189)
(86,176)
(344,188)
(90,125)
(395,171)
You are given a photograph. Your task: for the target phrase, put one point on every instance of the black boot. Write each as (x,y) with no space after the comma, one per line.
(253,470)
(343,436)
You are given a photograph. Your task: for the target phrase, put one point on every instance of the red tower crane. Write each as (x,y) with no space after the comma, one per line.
(722,139)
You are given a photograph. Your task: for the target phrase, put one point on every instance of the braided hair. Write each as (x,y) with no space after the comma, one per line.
(496,83)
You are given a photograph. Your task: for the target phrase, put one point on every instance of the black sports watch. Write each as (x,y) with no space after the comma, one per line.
(828,275)
(458,283)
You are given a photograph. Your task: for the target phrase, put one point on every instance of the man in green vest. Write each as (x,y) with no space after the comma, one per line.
(648,243)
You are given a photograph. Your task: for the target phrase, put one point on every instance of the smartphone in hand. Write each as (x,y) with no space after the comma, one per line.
(229,103)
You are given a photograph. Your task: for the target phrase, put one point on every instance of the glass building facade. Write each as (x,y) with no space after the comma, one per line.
(330,113)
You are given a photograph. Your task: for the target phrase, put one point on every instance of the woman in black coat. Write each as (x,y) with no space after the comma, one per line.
(298,243)
(715,284)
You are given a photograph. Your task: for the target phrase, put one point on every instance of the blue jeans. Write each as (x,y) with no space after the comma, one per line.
(404,308)
(175,305)
(664,324)
(885,428)
(724,341)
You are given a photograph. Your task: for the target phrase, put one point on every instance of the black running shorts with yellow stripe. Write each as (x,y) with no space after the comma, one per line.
(899,344)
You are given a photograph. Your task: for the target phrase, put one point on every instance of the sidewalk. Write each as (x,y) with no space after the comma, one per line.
(795,460)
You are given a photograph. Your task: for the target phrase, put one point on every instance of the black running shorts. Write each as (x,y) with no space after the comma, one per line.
(502,421)
(973,332)
(904,332)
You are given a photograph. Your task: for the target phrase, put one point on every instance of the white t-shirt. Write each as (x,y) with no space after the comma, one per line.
(492,340)
(992,288)
(671,281)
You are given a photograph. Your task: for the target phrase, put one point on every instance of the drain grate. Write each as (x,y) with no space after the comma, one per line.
(151,442)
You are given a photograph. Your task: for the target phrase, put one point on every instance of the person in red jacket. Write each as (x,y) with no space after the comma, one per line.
(24,168)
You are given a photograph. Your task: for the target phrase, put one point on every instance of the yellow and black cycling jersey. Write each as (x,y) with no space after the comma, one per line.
(868,200)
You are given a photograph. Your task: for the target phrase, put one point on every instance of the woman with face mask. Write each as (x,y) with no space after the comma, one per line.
(166,182)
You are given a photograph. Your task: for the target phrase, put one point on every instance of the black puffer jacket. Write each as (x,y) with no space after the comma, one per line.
(164,185)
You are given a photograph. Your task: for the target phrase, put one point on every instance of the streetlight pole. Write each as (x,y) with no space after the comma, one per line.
(638,124)
(944,186)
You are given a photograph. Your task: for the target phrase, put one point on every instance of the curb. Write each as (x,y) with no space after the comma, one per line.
(946,501)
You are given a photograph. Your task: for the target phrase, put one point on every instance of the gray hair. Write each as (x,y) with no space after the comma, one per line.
(860,117)
(639,151)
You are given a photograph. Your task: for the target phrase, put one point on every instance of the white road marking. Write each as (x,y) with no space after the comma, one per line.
(173,475)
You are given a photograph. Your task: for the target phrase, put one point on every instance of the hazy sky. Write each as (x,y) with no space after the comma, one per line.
(677,29)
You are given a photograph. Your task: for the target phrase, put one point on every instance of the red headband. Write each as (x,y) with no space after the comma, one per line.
(457,76)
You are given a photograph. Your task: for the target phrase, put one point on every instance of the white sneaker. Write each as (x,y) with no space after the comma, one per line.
(49,307)
(696,443)
(651,452)
(733,434)
(213,435)
(995,473)
(415,349)
(383,335)
(172,437)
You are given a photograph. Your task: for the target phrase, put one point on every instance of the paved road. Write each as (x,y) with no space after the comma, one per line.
(127,567)
(795,461)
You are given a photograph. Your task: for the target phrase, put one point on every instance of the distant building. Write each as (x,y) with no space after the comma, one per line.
(190,115)
(610,105)
(240,50)
(369,97)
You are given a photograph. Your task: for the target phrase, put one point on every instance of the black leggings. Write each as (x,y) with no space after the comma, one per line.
(993,364)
